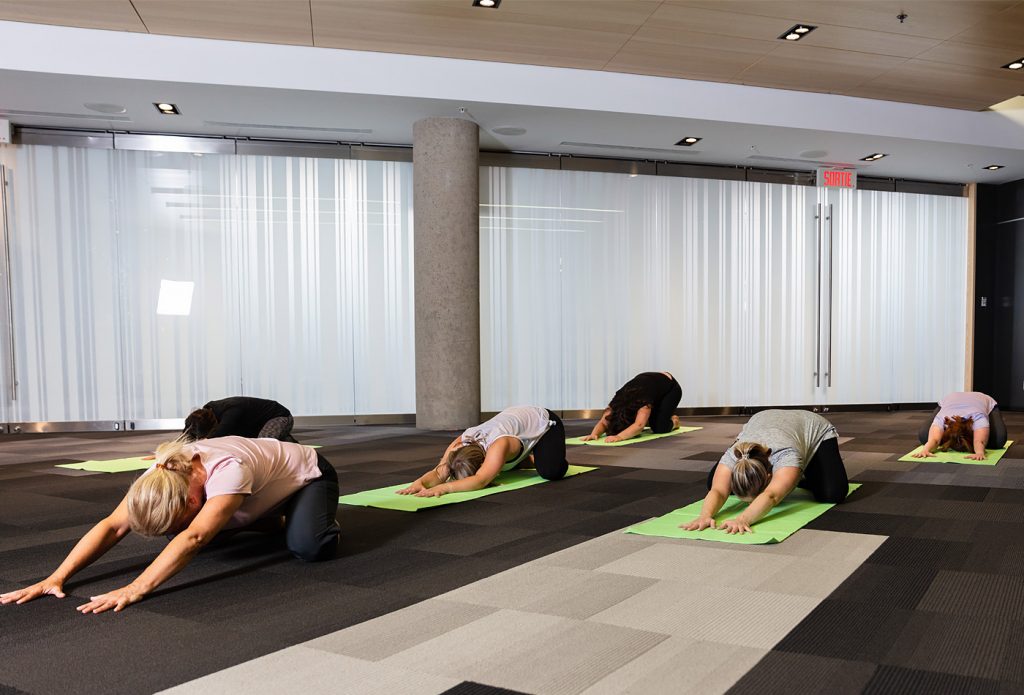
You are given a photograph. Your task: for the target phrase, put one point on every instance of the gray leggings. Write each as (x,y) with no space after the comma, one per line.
(311,527)
(996,432)
(278,428)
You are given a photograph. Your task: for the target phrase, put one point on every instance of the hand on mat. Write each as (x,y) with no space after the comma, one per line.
(699,524)
(588,438)
(435,491)
(413,489)
(922,454)
(612,438)
(47,587)
(118,599)
(976,457)
(735,526)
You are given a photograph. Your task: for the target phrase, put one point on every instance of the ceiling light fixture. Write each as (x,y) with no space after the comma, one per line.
(688,141)
(1015,65)
(994,167)
(873,157)
(166,108)
(797,32)
(489,4)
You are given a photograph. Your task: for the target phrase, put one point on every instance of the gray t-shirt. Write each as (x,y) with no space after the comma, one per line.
(793,436)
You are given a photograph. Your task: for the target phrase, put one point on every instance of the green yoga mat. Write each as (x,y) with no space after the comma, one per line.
(133,463)
(992,456)
(386,498)
(646,435)
(792,514)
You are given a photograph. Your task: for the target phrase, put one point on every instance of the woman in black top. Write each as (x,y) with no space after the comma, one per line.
(647,400)
(241,416)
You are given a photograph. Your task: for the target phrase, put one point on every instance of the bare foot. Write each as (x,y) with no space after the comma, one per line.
(675,422)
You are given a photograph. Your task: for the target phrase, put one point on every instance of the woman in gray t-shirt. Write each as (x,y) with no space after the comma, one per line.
(520,435)
(777,450)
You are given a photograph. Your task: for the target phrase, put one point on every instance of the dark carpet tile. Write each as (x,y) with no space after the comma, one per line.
(471,688)
(784,673)
(518,552)
(842,520)
(7,690)
(936,492)
(893,680)
(975,594)
(885,586)
(956,644)
(1005,495)
(622,486)
(841,630)
(460,539)
(922,553)
(709,456)
(606,523)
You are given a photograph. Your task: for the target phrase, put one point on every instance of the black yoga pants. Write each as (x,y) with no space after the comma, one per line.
(549,451)
(278,428)
(311,528)
(825,475)
(996,432)
(662,412)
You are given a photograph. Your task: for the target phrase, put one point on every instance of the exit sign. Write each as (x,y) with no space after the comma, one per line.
(837,178)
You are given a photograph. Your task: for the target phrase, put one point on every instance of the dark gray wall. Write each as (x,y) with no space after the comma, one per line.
(999,296)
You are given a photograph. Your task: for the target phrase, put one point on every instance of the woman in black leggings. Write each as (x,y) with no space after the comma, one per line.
(522,435)
(242,416)
(647,400)
(776,452)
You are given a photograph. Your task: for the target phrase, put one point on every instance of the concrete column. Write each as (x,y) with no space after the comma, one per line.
(446,198)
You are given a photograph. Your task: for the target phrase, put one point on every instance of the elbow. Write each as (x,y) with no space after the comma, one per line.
(195,539)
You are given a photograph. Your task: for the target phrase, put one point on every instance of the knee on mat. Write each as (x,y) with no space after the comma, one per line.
(554,473)
(312,550)
(836,496)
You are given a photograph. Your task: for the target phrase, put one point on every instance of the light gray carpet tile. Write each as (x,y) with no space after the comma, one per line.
(680,666)
(599,551)
(309,671)
(380,638)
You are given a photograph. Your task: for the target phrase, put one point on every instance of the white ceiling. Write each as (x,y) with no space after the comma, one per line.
(932,151)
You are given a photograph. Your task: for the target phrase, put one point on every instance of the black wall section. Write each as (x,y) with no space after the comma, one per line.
(999,297)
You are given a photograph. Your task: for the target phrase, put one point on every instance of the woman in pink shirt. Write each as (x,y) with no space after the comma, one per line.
(967,421)
(193,492)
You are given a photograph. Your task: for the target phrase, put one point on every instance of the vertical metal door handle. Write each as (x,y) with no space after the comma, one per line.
(10,281)
(817,314)
(828,366)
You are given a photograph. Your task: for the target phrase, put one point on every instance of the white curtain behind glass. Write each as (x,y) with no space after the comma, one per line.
(300,270)
(589,278)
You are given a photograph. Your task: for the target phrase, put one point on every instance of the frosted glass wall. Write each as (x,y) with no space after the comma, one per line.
(299,273)
(589,278)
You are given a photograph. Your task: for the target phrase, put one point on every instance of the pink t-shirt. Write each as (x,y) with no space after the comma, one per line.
(266,471)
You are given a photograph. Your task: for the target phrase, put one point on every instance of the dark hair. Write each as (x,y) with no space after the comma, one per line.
(462,462)
(198,425)
(623,407)
(957,434)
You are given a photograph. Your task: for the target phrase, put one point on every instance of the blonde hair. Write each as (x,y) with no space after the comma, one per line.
(752,469)
(462,462)
(158,498)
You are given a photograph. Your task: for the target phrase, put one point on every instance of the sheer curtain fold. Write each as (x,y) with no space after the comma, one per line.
(150,282)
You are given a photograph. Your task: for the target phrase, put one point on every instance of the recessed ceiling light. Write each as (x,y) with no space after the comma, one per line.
(994,167)
(509,130)
(873,157)
(1015,65)
(688,141)
(797,32)
(105,108)
(166,108)
(490,4)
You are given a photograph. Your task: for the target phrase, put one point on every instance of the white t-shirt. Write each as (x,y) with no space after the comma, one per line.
(266,471)
(527,423)
(973,405)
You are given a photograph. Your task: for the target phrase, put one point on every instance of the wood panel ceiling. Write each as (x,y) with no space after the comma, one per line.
(946,53)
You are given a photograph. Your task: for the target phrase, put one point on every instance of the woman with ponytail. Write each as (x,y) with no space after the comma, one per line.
(967,421)
(777,451)
(192,493)
(524,434)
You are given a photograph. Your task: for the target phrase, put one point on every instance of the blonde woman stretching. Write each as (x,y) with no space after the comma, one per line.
(777,450)
(523,434)
(196,490)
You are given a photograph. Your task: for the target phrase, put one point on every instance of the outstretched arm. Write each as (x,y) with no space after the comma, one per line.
(497,453)
(600,427)
(980,440)
(642,416)
(100,538)
(430,478)
(183,547)
(782,483)
(934,436)
(716,497)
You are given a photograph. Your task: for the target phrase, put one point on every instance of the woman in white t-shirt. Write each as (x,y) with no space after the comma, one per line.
(967,421)
(193,492)
(523,434)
